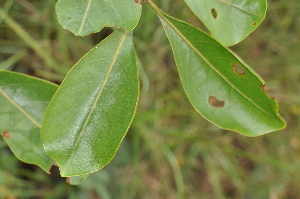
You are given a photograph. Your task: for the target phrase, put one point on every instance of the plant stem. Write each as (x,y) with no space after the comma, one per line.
(155,8)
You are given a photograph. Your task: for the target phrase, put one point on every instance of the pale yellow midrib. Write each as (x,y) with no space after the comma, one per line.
(98,95)
(20,108)
(84,17)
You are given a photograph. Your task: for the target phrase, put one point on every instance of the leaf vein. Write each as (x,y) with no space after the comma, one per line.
(84,17)
(20,108)
(237,7)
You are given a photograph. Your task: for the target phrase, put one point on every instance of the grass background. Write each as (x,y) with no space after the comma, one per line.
(170,151)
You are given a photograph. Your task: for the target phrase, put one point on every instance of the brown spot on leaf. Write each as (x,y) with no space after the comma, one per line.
(213,101)
(254,23)
(68,180)
(5,134)
(214,13)
(139,1)
(238,69)
(265,90)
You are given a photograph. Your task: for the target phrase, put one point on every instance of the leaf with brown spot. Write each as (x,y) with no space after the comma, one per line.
(220,86)
(229,21)
(23,102)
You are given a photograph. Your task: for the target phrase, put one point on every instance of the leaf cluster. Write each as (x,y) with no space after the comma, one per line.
(84,120)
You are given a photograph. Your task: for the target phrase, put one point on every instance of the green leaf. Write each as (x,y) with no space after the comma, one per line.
(91,111)
(220,86)
(229,21)
(24,100)
(83,17)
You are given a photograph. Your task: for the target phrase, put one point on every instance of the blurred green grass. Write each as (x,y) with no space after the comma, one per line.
(170,151)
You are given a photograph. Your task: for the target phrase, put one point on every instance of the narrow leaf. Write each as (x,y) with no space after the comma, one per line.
(219,84)
(83,17)
(91,112)
(229,21)
(23,103)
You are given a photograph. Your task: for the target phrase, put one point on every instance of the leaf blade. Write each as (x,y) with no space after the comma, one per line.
(85,17)
(103,90)
(229,21)
(24,101)
(215,86)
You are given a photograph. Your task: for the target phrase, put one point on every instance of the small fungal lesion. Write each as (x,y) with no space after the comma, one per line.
(238,69)
(265,90)
(140,1)
(214,102)
(214,13)
(5,134)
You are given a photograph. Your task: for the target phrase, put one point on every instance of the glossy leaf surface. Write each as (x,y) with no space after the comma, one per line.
(219,85)
(229,21)
(83,17)
(24,100)
(91,112)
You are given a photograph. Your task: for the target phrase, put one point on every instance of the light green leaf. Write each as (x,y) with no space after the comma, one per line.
(229,21)
(83,17)
(220,86)
(91,111)
(24,100)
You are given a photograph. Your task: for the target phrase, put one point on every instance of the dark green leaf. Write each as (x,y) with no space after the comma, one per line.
(83,17)
(219,84)
(24,100)
(91,112)
(229,21)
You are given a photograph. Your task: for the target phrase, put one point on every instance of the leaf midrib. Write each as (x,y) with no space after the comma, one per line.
(238,7)
(20,108)
(98,96)
(85,16)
